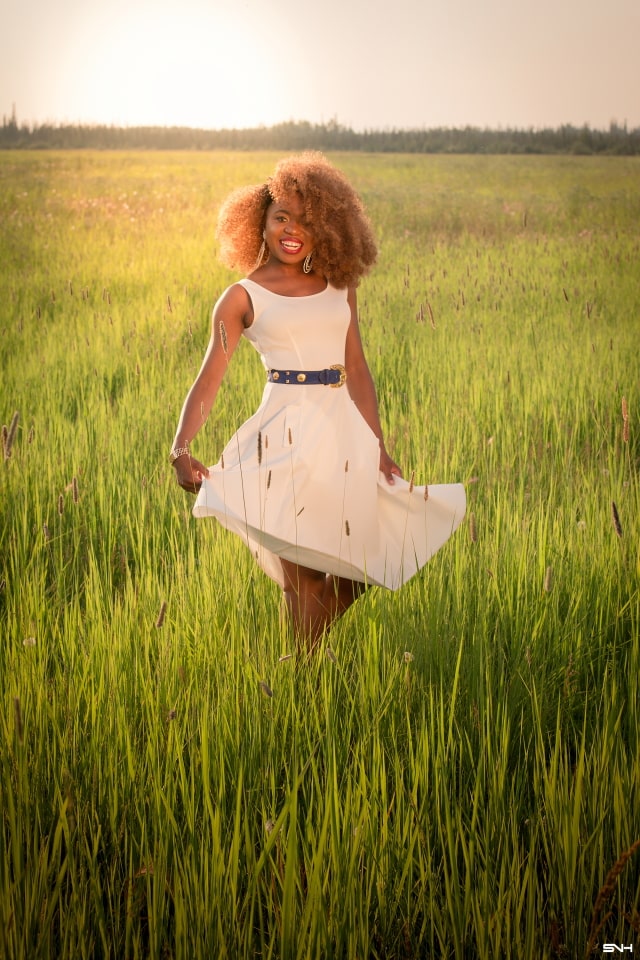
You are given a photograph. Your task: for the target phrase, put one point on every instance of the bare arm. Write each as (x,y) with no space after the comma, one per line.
(231,314)
(362,389)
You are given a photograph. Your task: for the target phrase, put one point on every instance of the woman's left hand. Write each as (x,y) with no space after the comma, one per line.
(388,467)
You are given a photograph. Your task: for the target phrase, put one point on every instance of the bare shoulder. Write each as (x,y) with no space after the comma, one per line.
(235,303)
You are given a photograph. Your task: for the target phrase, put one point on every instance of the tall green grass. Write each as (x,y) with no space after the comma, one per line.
(457,772)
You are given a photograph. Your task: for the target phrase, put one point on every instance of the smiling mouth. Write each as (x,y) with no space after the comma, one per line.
(291,246)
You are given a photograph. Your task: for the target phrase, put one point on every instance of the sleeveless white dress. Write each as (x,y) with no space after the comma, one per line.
(300,479)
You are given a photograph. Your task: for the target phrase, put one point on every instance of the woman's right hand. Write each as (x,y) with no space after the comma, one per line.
(189,473)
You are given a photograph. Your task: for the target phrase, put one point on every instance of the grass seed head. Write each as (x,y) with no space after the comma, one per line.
(161,615)
(8,435)
(548,580)
(61,504)
(605,893)
(473,529)
(266,689)
(617,526)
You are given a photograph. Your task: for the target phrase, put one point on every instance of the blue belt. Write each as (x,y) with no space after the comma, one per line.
(333,376)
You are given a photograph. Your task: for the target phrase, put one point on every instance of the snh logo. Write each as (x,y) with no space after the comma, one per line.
(615,948)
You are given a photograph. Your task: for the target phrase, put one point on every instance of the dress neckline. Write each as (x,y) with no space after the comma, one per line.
(284,296)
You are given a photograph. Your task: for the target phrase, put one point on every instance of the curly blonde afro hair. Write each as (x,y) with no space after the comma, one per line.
(344,245)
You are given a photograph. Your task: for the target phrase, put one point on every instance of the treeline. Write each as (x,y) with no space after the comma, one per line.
(300,135)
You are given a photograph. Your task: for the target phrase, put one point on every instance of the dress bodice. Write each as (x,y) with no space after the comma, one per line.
(304,333)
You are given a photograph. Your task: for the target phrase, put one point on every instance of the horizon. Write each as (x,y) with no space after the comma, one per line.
(332,124)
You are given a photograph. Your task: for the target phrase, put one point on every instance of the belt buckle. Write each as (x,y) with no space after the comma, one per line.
(343,374)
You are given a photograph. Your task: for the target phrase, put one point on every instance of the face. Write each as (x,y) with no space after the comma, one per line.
(288,237)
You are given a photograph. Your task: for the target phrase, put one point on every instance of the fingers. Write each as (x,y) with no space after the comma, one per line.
(190,475)
(390,469)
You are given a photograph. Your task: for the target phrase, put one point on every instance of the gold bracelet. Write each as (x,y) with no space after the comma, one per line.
(178,452)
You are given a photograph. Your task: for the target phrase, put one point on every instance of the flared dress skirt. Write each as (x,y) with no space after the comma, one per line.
(300,479)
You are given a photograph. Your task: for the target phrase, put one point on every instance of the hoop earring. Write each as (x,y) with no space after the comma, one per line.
(307,265)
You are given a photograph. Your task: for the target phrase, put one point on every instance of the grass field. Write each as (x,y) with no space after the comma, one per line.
(456,774)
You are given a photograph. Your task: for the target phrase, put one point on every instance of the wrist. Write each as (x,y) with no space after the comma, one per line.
(179,451)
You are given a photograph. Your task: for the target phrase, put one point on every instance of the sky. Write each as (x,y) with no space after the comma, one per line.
(367,64)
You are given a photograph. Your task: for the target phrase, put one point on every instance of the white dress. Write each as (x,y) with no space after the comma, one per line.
(300,479)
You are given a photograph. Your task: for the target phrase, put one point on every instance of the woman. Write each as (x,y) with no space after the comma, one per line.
(307,481)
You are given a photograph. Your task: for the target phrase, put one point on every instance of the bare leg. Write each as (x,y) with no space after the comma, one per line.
(314,600)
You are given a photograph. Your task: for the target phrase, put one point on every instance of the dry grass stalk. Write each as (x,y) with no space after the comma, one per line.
(625,420)
(18,718)
(616,519)
(411,481)
(10,435)
(605,893)
(431,317)
(45,530)
(161,615)
(473,530)
(169,307)
(223,337)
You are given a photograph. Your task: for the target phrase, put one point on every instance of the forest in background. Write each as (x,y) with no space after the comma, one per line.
(618,140)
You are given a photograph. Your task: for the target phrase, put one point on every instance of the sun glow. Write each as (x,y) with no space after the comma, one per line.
(157,66)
